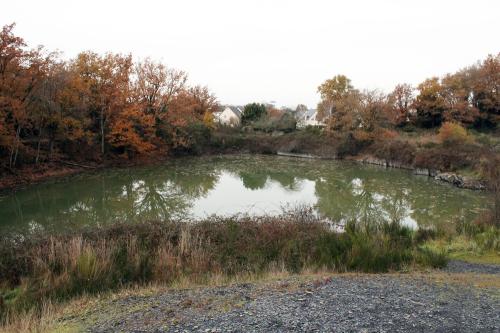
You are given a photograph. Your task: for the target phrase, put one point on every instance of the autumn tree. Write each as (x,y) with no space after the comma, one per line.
(105,80)
(344,114)
(21,73)
(131,131)
(340,104)
(69,122)
(204,102)
(11,55)
(430,103)
(190,111)
(485,91)
(374,111)
(92,105)
(469,96)
(336,88)
(400,101)
(156,86)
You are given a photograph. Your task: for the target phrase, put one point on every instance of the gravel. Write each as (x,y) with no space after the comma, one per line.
(456,266)
(340,303)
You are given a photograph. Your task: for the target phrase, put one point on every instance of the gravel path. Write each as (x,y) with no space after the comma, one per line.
(341,303)
(456,266)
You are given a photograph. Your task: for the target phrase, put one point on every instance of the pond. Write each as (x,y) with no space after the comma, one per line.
(191,188)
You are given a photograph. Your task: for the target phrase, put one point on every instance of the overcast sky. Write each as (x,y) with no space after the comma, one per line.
(272,50)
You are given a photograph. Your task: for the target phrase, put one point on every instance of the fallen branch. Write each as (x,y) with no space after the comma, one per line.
(76,164)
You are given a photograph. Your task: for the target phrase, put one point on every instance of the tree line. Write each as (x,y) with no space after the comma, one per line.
(470,97)
(96,107)
(92,106)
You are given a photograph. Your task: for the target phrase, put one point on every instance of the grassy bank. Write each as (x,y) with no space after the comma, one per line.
(476,242)
(42,269)
(422,149)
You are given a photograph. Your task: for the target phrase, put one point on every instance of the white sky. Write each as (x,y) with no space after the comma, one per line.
(272,50)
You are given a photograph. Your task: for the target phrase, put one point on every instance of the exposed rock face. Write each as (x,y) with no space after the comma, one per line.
(374,160)
(473,184)
(448,177)
(423,172)
(433,173)
(460,181)
(399,165)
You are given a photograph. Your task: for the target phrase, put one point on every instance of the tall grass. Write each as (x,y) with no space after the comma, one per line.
(479,240)
(41,269)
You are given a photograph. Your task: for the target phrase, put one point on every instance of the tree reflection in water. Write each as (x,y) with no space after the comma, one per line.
(342,191)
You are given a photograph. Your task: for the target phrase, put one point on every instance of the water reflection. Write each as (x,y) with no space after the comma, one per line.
(196,187)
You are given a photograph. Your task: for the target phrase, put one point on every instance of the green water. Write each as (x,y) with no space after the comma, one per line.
(190,188)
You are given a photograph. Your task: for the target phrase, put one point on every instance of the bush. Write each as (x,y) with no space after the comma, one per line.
(430,258)
(483,232)
(267,123)
(425,234)
(447,159)
(190,139)
(490,168)
(350,144)
(395,150)
(314,130)
(453,134)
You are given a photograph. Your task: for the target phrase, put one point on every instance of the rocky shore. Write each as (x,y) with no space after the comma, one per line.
(447,177)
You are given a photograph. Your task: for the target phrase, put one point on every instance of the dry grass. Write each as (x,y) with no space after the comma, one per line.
(32,321)
(59,317)
(39,270)
(421,138)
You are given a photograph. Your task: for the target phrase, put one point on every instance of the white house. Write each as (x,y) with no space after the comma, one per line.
(229,115)
(308,118)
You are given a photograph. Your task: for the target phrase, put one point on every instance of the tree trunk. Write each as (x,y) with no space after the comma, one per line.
(51,148)
(15,148)
(102,133)
(38,146)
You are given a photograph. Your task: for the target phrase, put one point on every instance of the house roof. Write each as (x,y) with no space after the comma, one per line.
(305,115)
(311,112)
(237,111)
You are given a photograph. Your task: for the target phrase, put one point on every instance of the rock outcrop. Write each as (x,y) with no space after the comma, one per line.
(460,181)
(448,177)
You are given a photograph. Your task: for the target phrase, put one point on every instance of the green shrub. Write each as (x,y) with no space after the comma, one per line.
(284,123)
(424,234)
(314,130)
(253,112)
(430,258)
